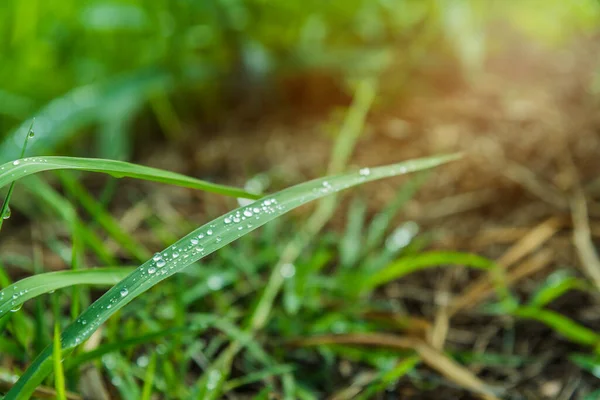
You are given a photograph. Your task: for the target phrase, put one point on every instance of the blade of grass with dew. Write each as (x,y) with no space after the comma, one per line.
(59,376)
(5,211)
(13,296)
(199,243)
(557,284)
(18,169)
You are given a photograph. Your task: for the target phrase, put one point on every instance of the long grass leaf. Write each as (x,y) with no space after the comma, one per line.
(196,245)
(59,383)
(557,284)
(561,324)
(407,265)
(18,169)
(5,211)
(13,296)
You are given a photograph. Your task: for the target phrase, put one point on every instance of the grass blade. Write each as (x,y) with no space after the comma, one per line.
(5,211)
(407,265)
(58,368)
(557,284)
(16,294)
(196,245)
(560,324)
(149,378)
(18,169)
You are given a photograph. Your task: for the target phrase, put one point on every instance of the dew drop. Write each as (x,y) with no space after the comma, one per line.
(151,270)
(124,292)
(215,282)
(16,162)
(17,308)
(194,241)
(175,254)
(142,361)
(365,172)
(214,377)
(288,270)
(218,239)
(247,213)
(31,134)
(116,380)
(157,257)
(160,263)
(227,220)
(209,232)
(7,213)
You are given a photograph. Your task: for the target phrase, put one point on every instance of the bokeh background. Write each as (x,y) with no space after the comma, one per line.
(253,93)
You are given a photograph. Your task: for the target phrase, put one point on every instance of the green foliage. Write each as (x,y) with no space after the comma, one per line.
(18,169)
(13,296)
(197,245)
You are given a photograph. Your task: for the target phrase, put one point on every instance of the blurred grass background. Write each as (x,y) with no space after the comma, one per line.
(97,67)
(167,82)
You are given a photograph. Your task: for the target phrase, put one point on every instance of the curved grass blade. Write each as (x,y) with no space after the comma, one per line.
(5,211)
(198,244)
(564,326)
(18,169)
(407,265)
(13,296)
(557,284)
(59,383)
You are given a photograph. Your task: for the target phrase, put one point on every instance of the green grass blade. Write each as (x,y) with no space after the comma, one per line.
(389,377)
(587,362)
(149,379)
(18,169)
(16,294)
(59,383)
(561,324)
(258,376)
(407,265)
(196,245)
(557,284)
(5,211)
